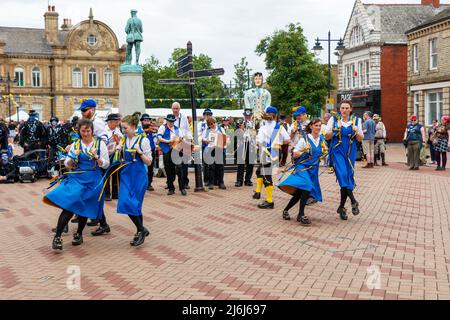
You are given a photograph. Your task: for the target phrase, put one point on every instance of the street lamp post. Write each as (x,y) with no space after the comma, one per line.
(339,49)
(8,82)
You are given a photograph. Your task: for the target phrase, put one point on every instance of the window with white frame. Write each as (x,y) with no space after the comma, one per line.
(434,106)
(361,73)
(92,78)
(367,63)
(354,79)
(416,104)
(357,36)
(77,79)
(108,78)
(415,58)
(347,77)
(433,54)
(36,77)
(19,76)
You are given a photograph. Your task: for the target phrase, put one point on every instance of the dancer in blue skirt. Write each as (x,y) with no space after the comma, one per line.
(303,182)
(136,154)
(343,130)
(80,189)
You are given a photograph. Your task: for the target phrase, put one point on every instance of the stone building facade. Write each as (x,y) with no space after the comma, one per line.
(56,68)
(372,71)
(429,69)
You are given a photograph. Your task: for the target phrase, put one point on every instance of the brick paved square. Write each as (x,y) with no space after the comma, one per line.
(218,245)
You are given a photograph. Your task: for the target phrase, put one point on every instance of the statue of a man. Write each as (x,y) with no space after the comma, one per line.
(257,99)
(134,37)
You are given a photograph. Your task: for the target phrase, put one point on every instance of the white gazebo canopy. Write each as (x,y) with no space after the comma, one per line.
(22,116)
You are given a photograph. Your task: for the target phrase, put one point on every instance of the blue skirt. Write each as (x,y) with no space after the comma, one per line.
(307,180)
(133,185)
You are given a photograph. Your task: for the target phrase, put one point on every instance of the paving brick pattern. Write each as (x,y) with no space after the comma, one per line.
(218,245)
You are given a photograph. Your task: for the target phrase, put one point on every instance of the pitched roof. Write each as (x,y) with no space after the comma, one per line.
(397,19)
(443,16)
(27,40)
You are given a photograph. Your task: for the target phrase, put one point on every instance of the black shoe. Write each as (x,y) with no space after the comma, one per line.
(146,233)
(248,183)
(77,239)
(183,192)
(92,223)
(355,208)
(74,220)
(266,205)
(150,188)
(171,192)
(211,187)
(257,195)
(57,243)
(342,213)
(222,186)
(187,187)
(108,197)
(140,238)
(238,184)
(303,220)
(101,230)
(65,230)
(286,215)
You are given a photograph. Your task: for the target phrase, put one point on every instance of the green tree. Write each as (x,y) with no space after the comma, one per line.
(241,74)
(296,78)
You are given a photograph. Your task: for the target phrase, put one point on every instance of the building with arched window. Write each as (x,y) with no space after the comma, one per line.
(57,67)
(373,68)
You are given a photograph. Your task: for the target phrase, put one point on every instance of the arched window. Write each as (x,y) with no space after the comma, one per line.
(19,76)
(357,36)
(92,78)
(108,78)
(36,77)
(77,78)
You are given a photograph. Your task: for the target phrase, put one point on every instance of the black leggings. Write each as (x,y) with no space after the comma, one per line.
(444,159)
(299,195)
(138,222)
(347,193)
(64,219)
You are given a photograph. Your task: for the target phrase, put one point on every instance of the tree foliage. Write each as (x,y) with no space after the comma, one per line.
(296,78)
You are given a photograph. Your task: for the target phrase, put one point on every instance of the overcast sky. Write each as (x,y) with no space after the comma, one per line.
(226,30)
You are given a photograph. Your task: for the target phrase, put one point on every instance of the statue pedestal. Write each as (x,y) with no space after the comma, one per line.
(131,91)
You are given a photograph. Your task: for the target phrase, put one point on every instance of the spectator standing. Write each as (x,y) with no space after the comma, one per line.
(369,139)
(414,138)
(380,141)
(431,132)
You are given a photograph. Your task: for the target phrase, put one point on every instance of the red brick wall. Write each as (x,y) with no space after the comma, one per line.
(393,90)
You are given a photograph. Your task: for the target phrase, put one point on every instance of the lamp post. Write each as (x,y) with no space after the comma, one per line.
(8,82)
(339,50)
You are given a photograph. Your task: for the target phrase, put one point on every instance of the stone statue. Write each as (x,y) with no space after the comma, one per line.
(134,37)
(257,99)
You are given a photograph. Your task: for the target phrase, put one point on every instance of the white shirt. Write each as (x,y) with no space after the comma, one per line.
(145,145)
(302,144)
(183,125)
(330,126)
(173,134)
(111,143)
(266,131)
(103,152)
(201,128)
(99,128)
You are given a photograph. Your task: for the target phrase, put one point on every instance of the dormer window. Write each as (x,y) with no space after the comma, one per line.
(357,36)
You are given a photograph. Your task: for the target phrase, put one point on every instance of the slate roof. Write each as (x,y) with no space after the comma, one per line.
(397,19)
(443,16)
(27,40)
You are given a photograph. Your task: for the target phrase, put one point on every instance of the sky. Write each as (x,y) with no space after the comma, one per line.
(225,30)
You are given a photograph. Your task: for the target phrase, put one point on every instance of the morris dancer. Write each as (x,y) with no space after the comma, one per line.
(303,182)
(343,129)
(80,189)
(270,137)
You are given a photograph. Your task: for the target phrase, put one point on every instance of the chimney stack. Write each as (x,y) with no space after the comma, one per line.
(51,25)
(67,24)
(434,3)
